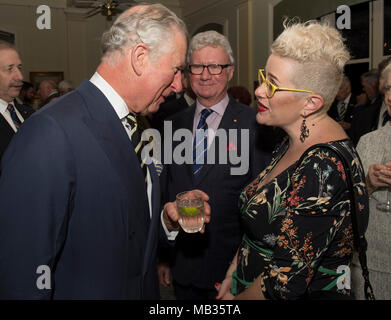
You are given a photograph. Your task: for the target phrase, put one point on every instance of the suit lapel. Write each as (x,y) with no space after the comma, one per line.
(5,127)
(111,136)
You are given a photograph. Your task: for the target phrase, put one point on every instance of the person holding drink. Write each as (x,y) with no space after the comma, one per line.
(197,260)
(296,214)
(374,149)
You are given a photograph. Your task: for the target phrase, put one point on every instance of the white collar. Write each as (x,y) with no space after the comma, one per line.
(4,105)
(114,98)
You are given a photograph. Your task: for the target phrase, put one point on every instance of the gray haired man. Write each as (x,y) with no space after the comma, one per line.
(89,222)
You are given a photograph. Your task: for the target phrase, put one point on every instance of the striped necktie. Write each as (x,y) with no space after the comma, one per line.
(14,116)
(342,111)
(135,136)
(200,143)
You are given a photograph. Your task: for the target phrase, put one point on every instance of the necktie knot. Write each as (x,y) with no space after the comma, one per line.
(206,113)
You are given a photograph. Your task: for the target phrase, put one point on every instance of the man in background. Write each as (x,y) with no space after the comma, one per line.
(64,87)
(13,113)
(47,91)
(342,109)
(367,111)
(198,261)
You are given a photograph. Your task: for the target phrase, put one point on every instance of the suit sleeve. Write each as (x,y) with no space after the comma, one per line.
(35,201)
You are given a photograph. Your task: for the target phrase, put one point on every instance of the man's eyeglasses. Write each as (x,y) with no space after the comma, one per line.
(271,88)
(213,69)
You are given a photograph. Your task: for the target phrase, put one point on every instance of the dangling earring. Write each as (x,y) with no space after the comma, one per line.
(304,131)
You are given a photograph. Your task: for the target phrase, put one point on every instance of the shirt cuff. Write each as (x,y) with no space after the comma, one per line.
(170,235)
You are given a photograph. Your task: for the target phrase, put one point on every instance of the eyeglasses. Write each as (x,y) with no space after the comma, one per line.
(213,69)
(271,88)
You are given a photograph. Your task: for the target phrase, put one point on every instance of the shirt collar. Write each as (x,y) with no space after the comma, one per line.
(347,99)
(114,98)
(219,108)
(4,105)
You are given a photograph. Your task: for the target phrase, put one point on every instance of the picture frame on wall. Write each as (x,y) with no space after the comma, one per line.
(37,77)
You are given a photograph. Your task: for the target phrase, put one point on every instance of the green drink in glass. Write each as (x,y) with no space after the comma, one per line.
(191,211)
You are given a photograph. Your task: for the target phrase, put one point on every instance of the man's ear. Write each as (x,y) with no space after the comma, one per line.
(139,58)
(314,102)
(231,72)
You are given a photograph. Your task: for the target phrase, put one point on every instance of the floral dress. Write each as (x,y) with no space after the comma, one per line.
(298,232)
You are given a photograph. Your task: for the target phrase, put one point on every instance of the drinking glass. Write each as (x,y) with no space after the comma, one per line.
(191,211)
(386,206)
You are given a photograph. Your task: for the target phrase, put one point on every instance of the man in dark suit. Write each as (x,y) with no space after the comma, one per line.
(12,113)
(342,109)
(367,112)
(199,261)
(79,211)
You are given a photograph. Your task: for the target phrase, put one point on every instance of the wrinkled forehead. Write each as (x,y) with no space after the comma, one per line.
(9,56)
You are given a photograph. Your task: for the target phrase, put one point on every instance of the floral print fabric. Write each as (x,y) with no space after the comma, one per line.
(298,231)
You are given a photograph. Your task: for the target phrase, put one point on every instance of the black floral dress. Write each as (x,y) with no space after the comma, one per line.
(298,231)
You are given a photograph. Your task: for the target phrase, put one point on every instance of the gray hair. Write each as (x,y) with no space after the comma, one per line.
(386,72)
(371,76)
(6,45)
(210,39)
(64,85)
(151,24)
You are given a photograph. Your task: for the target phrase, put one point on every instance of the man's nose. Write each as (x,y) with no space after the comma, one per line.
(177,82)
(205,73)
(18,75)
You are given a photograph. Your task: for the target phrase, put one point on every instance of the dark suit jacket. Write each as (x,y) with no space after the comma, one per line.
(348,117)
(365,119)
(168,109)
(203,259)
(84,211)
(6,132)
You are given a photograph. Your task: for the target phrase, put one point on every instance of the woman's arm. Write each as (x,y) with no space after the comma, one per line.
(253,292)
(224,288)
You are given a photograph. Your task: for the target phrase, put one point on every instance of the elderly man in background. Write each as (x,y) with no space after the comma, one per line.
(342,109)
(199,260)
(11,81)
(367,112)
(48,91)
(64,87)
(89,222)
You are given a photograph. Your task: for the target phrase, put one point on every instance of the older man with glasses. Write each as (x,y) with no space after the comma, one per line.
(199,261)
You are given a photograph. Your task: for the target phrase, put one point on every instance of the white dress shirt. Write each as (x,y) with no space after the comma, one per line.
(6,114)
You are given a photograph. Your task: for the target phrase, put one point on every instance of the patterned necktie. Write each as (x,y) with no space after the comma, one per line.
(14,116)
(341,111)
(135,135)
(200,143)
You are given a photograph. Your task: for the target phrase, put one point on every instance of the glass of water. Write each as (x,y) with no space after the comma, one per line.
(191,211)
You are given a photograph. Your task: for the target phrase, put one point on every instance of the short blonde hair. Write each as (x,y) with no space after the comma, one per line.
(320,51)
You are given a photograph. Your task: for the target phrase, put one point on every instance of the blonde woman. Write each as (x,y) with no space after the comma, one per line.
(296,213)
